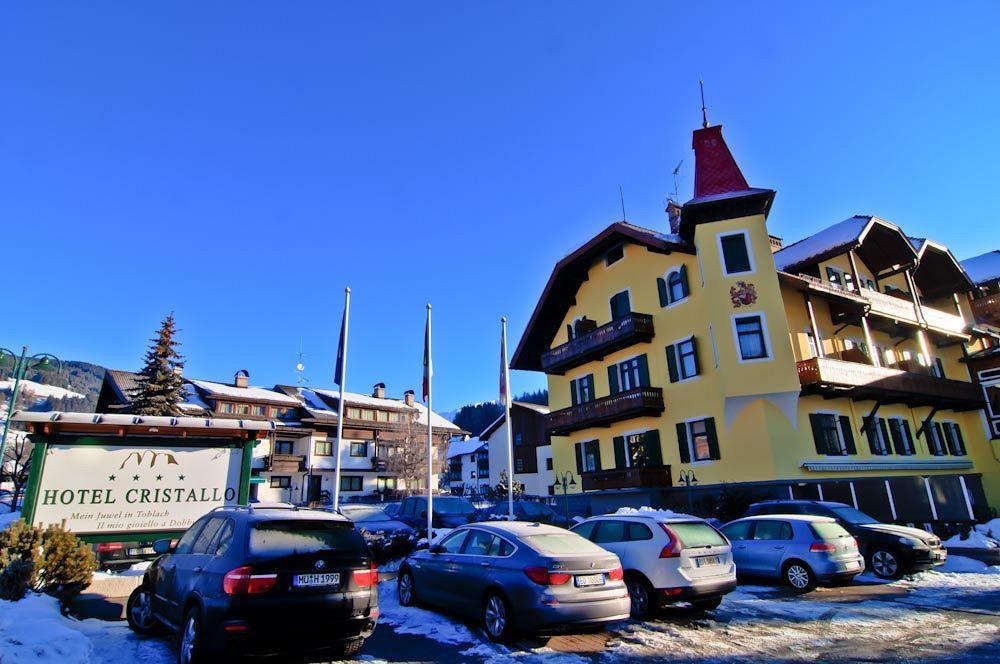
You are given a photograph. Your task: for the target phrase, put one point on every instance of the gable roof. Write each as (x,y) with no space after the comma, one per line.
(984,267)
(124,384)
(893,247)
(566,278)
(458,447)
(251,394)
(938,272)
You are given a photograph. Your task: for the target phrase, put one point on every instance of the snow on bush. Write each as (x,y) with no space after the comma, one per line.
(663,514)
(33,630)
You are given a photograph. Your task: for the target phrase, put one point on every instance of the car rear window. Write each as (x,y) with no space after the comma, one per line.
(694,534)
(282,538)
(559,543)
(827,531)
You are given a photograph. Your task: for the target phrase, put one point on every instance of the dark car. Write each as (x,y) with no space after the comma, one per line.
(890,551)
(119,556)
(526,510)
(261,581)
(449,512)
(392,509)
(387,537)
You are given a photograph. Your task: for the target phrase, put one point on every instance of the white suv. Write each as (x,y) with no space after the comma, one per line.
(667,557)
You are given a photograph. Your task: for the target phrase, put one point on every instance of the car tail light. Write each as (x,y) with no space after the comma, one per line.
(673,547)
(242,581)
(366,578)
(822,547)
(108,547)
(617,574)
(544,577)
(854,542)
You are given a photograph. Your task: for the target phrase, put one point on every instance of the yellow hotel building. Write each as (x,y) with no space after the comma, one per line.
(830,368)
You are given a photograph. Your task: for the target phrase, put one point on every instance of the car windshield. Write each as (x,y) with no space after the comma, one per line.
(536,509)
(694,534)
(560,543)
(452,505)
(271,539)
(851,515)
(364,514)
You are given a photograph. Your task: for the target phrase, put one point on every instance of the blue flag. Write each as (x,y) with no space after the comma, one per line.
(338,376)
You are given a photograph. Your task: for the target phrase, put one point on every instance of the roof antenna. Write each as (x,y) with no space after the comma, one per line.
(622,197)
(677,172)
(300,368)
(704,111)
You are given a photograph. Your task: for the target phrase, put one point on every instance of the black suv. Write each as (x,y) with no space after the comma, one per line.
(263,581)
(890,551)
(449,512)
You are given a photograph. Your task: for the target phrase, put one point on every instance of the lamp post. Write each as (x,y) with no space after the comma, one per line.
(21,366)
(566,480)
(688,479)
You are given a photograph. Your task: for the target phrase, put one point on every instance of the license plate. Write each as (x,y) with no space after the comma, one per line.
(142,551)
(852,564)
(705,561)
(585,580)
(311,580)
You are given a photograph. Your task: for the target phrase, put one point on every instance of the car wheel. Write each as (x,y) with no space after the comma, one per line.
(885,564)
(139,611)
(189,648)
(640,594)
(496,618)
(707,604)
(799,577)
(405,589)
(347,649)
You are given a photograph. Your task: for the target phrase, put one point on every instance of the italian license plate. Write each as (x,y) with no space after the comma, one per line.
(584,580)
(852,564)
(141,551)
(312,580)
(705,561)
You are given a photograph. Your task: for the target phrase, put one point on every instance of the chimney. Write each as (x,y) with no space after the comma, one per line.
(674,215)
(715,170)
(408,397)
(242,378)
(775,243)
(379,391)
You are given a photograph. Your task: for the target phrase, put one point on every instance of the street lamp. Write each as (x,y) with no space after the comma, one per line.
(688,479)
(566,480)
(21,366)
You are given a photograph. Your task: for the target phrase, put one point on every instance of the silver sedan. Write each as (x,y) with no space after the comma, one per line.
(517,577)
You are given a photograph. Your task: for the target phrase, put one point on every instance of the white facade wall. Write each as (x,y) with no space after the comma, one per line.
(535,484)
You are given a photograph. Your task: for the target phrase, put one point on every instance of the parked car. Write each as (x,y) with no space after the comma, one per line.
(392,509)
(386,537)
(666,559)
(526,510)
(890,550)
(261,580)
(802,550)
(120,556)
(517,577)
(449,512)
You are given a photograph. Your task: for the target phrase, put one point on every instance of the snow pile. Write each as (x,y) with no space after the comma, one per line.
(974,540)
(40,391)
(7,517)
(963,565)
(649,511)
(990,528)
(33,630)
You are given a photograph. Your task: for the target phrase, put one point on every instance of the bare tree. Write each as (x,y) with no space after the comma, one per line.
(16,464)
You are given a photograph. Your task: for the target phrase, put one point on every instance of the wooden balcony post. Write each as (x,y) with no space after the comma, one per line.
(815,328)
(918,306)
(872,351)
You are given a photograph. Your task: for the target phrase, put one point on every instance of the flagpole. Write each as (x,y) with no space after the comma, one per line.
(510,425)
(342,373)
(428,373)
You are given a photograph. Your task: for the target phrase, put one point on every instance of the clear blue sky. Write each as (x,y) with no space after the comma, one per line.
(239,163)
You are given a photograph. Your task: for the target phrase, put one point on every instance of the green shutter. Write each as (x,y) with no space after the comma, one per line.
(697,361)
(682,442)
(596,447)
(885,434)
(847,429)
(908,439)
(832,276)
(588,380)
(685,290)
(572,392)
(579,459)
(941,448)
(713,439)
(661,287)
(654,453)
(896,429)
(959,440)
(672,364)
(643,370)
(871,432)
(619,442)
(816,420)
(613,379)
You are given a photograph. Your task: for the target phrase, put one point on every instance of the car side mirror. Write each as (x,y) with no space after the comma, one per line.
(423,514)
(436,548)
(162,546)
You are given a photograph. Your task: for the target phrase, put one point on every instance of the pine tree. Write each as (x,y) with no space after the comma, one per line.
(161,386)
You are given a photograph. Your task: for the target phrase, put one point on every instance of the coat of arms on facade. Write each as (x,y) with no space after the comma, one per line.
(743,294)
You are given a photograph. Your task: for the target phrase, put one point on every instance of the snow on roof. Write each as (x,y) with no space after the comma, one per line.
(145,420)
(244,393)
(437,422)
(984,267)
(355,399)
(192,400)
(39,390)
(458,447)
(845,232)
(538,408)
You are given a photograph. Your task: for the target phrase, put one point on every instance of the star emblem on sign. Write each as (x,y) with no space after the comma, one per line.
(135,478)
(111,478)
(159,477)
(180,477)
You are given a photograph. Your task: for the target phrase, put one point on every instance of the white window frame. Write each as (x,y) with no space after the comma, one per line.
(886,442)
(722,255)
(604,258)
(944,443)
(912,439)
(690,441)
(574,381)
(677,359)
(764,332)
(618,370)
(671,302)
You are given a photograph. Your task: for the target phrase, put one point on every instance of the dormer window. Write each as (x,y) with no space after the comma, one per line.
(614,255)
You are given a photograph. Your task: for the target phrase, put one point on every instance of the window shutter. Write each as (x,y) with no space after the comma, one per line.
(654,453)
(569,332)
(816,420)
(697,362)
(685,291)
(871,431)
(941,448)
(682,442)
(897,437)
(713,439)
(572,392)
(661,287)
(885,435)
(619,442)
(959,441)
(832,276)
(672,364)
(579,458)
(643,370)
(940,367)
(908,437)
(597,454)
(846,429)
(613,379)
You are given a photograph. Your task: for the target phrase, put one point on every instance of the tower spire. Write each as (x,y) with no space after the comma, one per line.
(704,111)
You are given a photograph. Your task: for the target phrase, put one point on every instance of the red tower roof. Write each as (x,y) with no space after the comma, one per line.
(715,170)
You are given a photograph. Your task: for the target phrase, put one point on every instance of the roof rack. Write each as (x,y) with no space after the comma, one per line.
(251,508)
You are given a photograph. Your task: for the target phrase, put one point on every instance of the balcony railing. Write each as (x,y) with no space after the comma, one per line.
(891,306)
(627,478)
(867,382)
(942,320)
(287,463)
(602,412)
(632,329)
(987,309)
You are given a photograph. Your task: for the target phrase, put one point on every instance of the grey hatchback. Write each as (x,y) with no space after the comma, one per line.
(517,577)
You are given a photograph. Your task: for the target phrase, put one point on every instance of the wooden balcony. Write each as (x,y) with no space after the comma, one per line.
(627,478)
(287,463)
(891,306)
(987,309)
(602,412)
(943,321)
(837,378)
(632,329)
